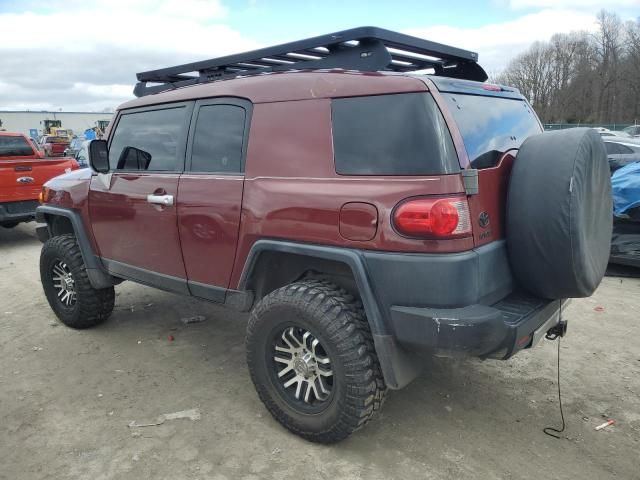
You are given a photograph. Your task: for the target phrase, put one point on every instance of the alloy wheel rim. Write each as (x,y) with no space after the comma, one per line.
(303,367)
(64,283)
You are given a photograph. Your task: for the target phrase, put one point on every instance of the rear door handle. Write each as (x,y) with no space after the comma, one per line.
(166,200)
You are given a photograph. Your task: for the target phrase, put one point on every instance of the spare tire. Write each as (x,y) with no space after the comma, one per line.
(559,214)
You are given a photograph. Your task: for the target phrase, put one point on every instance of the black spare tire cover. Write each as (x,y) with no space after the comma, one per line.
(559,213)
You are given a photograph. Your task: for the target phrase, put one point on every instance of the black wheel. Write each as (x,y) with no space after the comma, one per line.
(67,288)
(9,224)
(311,358)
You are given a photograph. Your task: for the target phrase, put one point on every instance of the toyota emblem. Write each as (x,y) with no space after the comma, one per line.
(483,220)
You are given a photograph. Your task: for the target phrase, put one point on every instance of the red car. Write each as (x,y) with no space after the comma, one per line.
(23,171)
(54,146)
(364,217)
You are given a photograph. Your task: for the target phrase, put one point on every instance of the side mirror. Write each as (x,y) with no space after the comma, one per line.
(99,156)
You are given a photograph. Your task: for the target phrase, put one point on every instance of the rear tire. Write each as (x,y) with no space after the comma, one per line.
(327,329)
(67,287)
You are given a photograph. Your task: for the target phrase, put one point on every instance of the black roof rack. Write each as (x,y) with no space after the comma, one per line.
(363,48)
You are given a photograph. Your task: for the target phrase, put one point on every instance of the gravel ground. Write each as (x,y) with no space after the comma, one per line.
(67,397)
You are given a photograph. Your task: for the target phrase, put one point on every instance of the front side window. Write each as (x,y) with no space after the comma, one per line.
(399,134)
(218,139)
(150,140)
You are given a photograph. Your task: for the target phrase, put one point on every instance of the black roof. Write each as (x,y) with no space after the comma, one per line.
(363,48)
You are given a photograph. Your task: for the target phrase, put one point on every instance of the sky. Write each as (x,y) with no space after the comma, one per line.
(75,55)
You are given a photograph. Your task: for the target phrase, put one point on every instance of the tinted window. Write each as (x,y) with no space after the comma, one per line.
(57,140)
(148,140)
(401,134)
(624,149)
(14,146)
(217,141)
(491,125)
(612,148)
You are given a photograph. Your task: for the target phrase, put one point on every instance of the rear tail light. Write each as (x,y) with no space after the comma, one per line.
(433,217)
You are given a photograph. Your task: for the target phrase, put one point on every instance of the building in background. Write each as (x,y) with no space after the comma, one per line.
(32,123)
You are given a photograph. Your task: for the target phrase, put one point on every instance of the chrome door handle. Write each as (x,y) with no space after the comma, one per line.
(166,200)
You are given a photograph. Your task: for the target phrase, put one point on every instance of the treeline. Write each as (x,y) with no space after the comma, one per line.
(583,77)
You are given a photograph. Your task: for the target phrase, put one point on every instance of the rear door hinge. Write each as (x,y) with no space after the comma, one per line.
(470,181)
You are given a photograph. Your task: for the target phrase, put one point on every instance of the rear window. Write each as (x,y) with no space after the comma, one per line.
(14,147)
(491,125)
(57,140)
(401,134)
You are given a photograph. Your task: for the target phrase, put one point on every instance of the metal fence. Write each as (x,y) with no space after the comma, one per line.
(562,126)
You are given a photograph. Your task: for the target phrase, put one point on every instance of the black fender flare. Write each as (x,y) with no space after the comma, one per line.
(96,272)
(398,366)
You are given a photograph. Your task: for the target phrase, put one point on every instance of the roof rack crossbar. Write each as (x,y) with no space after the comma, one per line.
(363,48)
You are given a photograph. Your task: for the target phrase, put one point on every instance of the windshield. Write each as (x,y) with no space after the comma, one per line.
(491,125)
(14,147)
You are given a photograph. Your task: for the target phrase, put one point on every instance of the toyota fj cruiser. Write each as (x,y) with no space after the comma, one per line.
(363,214)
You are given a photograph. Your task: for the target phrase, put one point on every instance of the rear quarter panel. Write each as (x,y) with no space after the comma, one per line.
(293,192)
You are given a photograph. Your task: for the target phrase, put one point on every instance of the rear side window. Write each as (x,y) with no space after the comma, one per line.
(624,149)
(491,125)
(400,134)
(612,148)
(617,148)
(218,138)
(150,140)
(14,147)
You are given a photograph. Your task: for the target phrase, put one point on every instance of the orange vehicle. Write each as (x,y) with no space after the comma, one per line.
(23,171)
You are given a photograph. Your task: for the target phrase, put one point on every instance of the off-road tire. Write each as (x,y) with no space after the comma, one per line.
(338,321)
(93,306)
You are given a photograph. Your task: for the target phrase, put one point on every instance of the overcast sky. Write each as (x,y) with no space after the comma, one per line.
(80,55)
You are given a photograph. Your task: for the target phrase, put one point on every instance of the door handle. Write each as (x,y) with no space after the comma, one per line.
(166,200)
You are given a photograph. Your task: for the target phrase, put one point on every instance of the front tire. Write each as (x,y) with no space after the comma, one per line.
(67,287)
(311,358)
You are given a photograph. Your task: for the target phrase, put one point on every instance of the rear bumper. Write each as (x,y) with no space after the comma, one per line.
(22,211)
(464,303)
(498,331)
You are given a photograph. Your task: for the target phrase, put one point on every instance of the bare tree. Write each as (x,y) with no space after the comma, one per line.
(582,77)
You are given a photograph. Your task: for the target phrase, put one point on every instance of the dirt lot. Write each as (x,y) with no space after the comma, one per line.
(67,397)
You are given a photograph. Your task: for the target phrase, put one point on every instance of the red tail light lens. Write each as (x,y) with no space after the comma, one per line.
(433,217)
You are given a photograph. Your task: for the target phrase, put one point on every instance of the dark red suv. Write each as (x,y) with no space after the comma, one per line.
(363,214)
